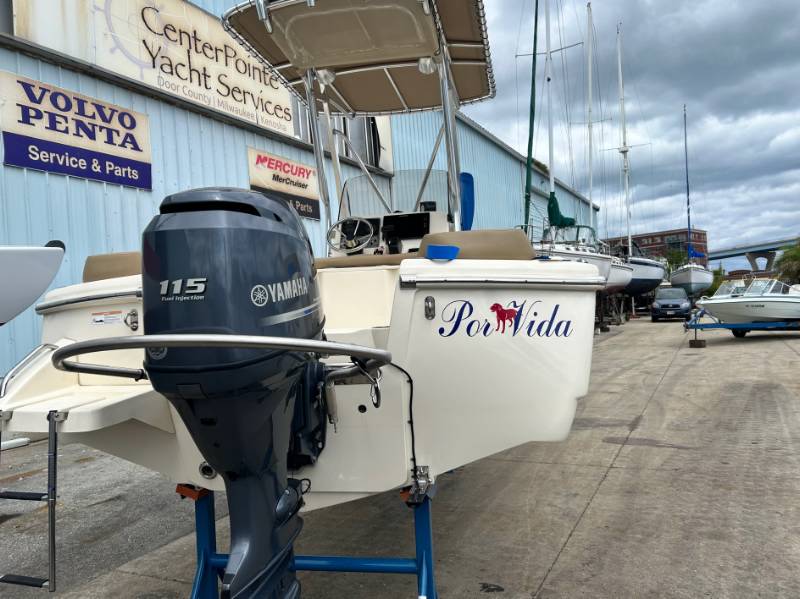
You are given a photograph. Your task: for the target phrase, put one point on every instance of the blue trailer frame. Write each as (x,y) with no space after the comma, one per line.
(742,327)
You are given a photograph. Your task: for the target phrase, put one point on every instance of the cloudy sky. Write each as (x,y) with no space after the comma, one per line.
(736,65)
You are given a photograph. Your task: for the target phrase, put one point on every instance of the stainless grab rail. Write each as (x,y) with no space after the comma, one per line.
(6,380)
(374,357)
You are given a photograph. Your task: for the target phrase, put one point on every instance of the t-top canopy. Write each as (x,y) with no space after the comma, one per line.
(375,51)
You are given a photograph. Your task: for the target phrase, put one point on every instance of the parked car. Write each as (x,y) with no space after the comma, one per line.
(670,302)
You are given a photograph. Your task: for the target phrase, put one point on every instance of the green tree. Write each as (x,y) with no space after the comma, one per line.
(788,265)
(675,259)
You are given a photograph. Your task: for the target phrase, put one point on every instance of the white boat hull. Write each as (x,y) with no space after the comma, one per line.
(601,261)
(480,384)
(26,273)
(753,309)
(619,278)
(693,278)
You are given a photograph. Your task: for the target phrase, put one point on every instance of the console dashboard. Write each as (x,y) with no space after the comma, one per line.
(398,232)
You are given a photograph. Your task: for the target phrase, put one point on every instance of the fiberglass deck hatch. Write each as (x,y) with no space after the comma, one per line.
(376,50)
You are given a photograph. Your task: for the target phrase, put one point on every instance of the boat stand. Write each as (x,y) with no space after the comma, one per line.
(211,565)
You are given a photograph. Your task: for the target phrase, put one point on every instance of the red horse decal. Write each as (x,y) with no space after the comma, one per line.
(503,315)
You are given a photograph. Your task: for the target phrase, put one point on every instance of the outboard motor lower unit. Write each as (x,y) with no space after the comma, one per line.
(237,262)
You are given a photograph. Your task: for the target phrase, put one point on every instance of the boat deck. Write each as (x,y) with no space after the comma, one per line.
(680,479)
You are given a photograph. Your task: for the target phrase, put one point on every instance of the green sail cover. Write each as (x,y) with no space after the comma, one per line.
(554,214)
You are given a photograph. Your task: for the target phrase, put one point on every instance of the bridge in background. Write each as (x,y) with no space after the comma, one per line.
(754,251)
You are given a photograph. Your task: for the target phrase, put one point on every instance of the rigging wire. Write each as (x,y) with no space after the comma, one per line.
(604,180)
(516,66)
(565,84)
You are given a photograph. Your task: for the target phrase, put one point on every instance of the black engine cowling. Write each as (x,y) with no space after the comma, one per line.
(230,261)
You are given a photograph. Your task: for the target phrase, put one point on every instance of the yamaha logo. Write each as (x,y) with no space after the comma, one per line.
(259,295)
(291,289)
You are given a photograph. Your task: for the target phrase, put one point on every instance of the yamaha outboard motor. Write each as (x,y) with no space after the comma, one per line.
(231,261)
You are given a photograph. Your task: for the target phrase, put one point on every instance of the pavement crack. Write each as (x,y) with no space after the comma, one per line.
(608,469)
(789,345)
(151,576)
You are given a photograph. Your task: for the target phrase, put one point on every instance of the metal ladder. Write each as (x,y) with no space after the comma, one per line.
(49,583)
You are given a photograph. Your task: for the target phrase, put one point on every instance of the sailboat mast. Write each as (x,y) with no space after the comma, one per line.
(688,203)
(589,92)
(531,119)
(623,149)
(548,65)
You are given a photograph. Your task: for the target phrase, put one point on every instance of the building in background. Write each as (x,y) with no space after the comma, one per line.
(107,107)
(662,243)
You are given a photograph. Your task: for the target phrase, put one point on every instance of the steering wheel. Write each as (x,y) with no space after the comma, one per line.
(354,242)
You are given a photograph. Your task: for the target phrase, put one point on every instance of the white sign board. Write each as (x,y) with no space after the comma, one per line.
(170,45)
(276,173)
(52,129)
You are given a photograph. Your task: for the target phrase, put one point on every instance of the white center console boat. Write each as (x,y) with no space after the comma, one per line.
(463,343)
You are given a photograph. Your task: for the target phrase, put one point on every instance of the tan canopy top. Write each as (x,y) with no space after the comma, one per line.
(372,47)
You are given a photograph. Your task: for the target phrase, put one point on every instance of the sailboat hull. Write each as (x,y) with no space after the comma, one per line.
(601,261)
(647,275)
(693,279)
(619,278)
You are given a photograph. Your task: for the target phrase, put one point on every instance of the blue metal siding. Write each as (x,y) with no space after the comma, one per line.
(499,174)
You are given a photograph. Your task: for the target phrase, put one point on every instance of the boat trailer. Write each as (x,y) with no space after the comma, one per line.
(739,329)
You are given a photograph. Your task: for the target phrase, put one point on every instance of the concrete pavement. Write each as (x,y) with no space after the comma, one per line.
(680,479)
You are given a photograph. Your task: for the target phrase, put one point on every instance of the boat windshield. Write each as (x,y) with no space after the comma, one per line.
(407,191)
(731,288)
(767,287)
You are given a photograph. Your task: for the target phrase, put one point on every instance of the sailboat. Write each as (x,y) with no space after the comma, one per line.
(25,273)
(647,273)
(692,277)
(417,346)
(562,237)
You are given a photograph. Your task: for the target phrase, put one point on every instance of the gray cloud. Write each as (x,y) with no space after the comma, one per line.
(735,64)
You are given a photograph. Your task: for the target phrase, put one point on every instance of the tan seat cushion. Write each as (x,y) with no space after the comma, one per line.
(507,244)
(362,260)
(110,266)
